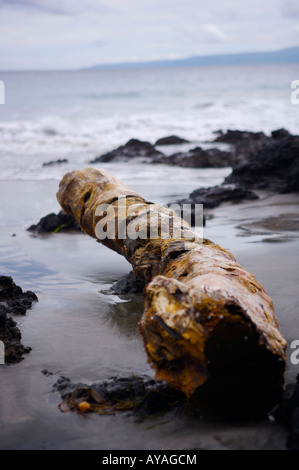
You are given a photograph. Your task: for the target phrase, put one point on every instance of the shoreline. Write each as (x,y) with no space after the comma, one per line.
(76,323)
(83,330)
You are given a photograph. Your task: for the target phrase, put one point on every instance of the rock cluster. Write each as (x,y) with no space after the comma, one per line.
(13,301)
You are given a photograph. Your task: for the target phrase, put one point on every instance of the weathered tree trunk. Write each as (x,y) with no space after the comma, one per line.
(209,327)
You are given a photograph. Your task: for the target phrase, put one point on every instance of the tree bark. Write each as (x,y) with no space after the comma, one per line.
(209,328)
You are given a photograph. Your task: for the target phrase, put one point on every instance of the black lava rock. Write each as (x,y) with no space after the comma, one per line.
(199,158)
(215,196)
(171,140)
(56,162)
(60,222)
(244,143)
(130,284)
(11,336)
(13,301)
(235,136)
(141,396)
(133,149)
(274,167)
(280,134)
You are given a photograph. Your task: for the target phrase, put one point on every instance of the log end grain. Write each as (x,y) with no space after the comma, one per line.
(211,350)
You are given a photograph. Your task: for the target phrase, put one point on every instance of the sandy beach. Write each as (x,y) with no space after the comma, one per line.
(80,330)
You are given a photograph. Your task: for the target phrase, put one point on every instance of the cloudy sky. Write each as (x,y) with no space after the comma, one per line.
(67,34)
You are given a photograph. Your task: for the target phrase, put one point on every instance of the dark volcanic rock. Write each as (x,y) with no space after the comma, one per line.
(60,222)
(199,158)
(213,197)
(130,284)
(171,140)
(57,162)
(133,149)
(142,396)
(13,301)
(235,137)
(11,336)
(275,167)
(244,143)
(280,134)
(288,413)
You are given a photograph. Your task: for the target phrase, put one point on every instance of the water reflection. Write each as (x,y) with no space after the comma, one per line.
(275,229)
(125,315)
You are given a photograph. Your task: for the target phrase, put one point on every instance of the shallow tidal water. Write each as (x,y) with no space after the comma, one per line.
(81,331)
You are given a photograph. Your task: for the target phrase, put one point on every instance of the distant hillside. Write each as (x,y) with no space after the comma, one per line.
(284,56)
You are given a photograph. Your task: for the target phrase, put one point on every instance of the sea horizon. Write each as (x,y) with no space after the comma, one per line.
(272,56)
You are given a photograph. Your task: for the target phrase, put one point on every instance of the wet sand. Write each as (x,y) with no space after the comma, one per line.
(79,330)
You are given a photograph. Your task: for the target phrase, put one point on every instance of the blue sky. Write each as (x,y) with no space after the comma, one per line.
(64,34)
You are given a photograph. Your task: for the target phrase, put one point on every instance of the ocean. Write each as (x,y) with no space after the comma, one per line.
(82,114)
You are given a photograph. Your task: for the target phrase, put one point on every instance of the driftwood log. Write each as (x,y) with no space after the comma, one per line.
(209,328)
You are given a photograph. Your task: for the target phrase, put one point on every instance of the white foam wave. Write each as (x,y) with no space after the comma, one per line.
(84,133)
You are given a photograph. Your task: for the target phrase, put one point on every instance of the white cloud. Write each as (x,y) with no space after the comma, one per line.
(207,34)
(212,33)
(65,34)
